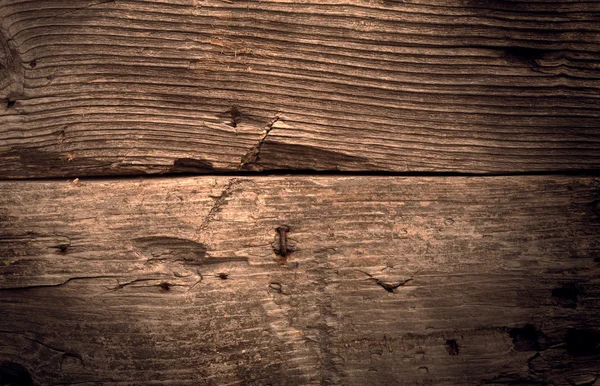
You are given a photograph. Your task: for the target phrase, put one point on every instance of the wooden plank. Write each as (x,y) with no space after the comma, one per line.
(133,87)
(379,281)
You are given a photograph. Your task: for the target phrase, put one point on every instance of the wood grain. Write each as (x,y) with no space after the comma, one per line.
(407,281)
(120,87)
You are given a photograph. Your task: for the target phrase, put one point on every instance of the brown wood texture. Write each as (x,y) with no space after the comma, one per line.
(376,281)
(132,87)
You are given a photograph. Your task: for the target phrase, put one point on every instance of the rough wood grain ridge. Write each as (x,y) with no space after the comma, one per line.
(115,87)
(406,281)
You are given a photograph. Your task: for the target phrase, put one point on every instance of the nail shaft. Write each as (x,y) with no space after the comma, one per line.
(283,248)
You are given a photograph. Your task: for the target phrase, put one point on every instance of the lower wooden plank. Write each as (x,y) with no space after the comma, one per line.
(301,280)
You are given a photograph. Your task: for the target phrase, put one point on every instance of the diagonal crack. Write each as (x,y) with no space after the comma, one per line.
(218,204)
(197,282)
(254,153)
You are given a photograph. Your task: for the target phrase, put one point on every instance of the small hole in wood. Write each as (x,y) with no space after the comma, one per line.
(525,338)
(164,287)
(10,103)
(452,347)
(223,276)
(566,296)
(236,116)
(32,64)
(275,287)
(63,248)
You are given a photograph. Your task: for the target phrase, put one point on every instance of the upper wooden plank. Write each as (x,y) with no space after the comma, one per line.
(125,87)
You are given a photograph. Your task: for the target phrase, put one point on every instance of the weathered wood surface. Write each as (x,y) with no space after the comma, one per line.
(124,87)
(408,281)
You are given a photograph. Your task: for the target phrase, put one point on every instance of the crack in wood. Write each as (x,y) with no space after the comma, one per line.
(123,285)
(24,335)
(390,287)
(71,11)
(387,285)
(253,155)
(219,203)
(28,287)
(197,282)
